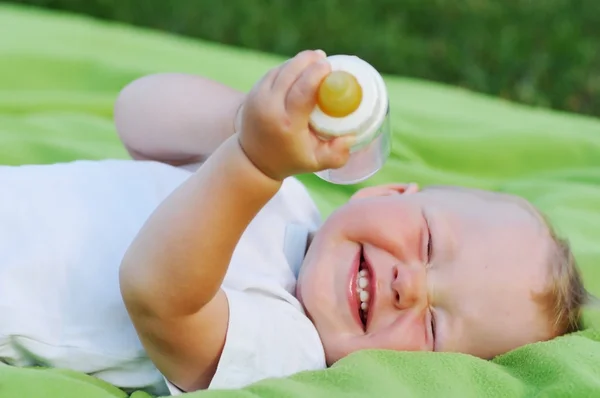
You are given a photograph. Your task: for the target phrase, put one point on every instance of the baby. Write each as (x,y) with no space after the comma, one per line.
(216,271)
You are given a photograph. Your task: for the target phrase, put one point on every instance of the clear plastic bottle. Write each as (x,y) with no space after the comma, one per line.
(369,122)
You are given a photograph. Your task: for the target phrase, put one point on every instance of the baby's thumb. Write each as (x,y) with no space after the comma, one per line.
(335,153)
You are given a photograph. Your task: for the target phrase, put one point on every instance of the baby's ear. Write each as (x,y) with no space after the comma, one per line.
(386,190)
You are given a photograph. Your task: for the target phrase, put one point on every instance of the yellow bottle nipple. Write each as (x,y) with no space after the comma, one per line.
(339,94)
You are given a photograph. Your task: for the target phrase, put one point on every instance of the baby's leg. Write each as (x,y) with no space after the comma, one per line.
(175,118)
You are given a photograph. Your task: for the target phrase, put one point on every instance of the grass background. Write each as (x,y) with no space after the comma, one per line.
(539,52)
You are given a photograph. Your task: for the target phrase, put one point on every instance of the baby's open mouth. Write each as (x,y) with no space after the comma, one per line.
(362,288)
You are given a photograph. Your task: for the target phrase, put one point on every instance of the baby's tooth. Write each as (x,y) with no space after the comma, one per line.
(363,272)
(364,306)
(364,296)
(363,282)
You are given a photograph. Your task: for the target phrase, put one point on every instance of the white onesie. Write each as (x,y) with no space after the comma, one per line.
(63,231)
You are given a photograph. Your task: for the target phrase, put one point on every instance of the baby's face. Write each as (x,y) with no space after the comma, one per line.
(445,270)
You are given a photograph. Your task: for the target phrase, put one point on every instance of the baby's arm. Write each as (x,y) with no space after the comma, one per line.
(172,273)
(175,118)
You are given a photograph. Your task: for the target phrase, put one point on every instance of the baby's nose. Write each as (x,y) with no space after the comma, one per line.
(409,287)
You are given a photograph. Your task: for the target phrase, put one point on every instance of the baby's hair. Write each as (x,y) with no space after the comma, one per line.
(565,297)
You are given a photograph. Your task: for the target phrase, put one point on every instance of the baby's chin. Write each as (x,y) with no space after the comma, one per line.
(340,346)
(300,298)
(299,290)
(309,239)
(301,271)
(300,282)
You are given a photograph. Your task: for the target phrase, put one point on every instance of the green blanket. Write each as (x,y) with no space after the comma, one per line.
(59,76)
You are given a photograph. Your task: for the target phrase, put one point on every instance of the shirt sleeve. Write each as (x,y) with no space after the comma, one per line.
(266,337)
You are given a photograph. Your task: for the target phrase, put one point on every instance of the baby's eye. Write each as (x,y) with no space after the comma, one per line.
(429,248)
(432,321)
(429,245)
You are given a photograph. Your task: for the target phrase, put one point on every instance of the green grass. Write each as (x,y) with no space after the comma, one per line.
(539,52)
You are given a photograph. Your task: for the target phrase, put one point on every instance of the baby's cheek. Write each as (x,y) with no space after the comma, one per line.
(408,333)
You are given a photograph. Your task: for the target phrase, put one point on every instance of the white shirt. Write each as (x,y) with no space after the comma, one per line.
(63,231)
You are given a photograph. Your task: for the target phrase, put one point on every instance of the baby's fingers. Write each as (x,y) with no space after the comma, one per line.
(263,86)
(335,153)
(302,95)
(291,70)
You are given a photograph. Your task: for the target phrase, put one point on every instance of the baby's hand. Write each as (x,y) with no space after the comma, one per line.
(274,130)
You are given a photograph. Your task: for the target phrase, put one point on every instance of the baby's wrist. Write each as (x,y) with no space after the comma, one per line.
(260,168)
(237,118)
(253,168)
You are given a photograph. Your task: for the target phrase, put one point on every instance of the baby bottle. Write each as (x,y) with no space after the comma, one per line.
(353,99)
